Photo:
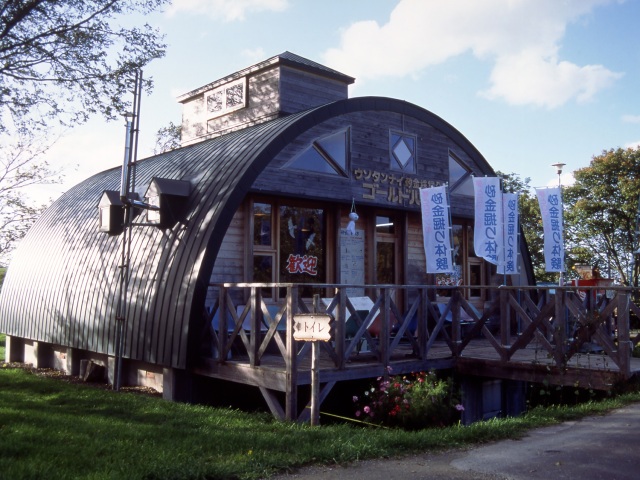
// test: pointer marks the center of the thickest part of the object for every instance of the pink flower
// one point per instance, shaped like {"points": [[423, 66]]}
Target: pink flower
{"points": [[355, 398], [389, 369], [460, 408], [358, 413], [366, 409]]}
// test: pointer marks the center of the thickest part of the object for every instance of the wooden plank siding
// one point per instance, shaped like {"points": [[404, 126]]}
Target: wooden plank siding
{"points": [[62, 286], [279, 86]]}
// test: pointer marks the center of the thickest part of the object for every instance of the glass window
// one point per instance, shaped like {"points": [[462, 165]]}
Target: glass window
{"points": [[402, 152], [335, 147], [384, 225], [262, 224], [385, 262], [460, 178], [313, 161], [325, 155], [302, 247], [263, 272]]}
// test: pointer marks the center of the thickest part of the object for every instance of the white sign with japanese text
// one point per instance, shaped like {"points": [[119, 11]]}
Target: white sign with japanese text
{"points": [[436, 229], [550, 201], [488, 232], [510, 221]]}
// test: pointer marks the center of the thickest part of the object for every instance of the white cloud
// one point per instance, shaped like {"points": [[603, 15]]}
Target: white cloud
{"points": [[566, 179], [102, 147], [530, 78], [227, 10], [254, 55], [634, 145], [631, 118], [520, 37]]}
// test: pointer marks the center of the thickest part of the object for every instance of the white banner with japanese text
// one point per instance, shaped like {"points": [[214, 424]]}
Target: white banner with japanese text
{"points": [[510, 221], [488, 233], [550, 201], [436, 229]]}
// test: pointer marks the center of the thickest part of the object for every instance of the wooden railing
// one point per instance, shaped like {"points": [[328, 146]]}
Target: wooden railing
{"points": [[564, 321]]}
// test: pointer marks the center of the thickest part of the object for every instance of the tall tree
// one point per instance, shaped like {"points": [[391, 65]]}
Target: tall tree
{"points": [[65, 60], [167, 138], [61, 61], [602, 210]]}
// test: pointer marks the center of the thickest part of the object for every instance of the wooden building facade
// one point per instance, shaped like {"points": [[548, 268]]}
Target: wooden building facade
{"points": [[275, 161]]}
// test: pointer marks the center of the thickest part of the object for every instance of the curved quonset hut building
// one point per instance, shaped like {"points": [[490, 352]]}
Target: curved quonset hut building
{"points": [[274, 159]]}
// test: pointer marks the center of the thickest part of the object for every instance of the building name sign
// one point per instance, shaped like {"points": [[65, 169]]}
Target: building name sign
{"points": [[398, 189]]}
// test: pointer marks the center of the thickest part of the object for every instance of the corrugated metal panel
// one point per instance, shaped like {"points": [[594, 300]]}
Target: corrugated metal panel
{"points": [[62, 284]]}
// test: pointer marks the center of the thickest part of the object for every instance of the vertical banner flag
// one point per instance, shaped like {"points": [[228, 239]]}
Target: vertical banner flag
{"points": [[487, 233], [550, 201], [510, 220], [436, 229]]}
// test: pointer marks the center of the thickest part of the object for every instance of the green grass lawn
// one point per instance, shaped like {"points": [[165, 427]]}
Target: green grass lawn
{"points": [[56, 430]]}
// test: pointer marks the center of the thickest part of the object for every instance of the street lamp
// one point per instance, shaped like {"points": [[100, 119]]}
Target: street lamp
{"points": [[559, 167]]}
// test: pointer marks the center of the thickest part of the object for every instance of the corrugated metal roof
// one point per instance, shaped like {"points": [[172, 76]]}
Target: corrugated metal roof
{"points": [[62, 285]]}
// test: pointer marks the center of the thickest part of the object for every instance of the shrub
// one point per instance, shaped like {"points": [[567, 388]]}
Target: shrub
{"points": [[414, 401]]}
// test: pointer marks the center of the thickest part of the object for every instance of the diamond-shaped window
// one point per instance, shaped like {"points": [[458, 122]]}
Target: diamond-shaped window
{"points": [[402, 152]]}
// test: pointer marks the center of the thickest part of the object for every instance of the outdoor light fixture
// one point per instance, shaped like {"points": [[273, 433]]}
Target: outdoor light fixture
{"points": [[166, 198], [559, 167], [111, 212]]}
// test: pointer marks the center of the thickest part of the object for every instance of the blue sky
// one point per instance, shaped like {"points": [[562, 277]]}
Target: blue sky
{"points": [[529, 82]]}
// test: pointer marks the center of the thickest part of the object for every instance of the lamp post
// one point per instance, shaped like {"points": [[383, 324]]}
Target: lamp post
{"points": [[558, 167]]}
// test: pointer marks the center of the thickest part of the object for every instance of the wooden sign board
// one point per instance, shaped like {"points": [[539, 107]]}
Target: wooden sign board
{"points": [[312, 327]]}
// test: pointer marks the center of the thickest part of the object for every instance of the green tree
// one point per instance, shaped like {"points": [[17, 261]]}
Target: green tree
{"points": [[65, 60], [18, 170], [601, 211], [167, 138], [61, 61]]}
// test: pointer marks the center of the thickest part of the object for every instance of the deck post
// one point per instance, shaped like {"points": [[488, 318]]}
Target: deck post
{"points": [[255, 315], [291, 394], [505, 318], [223, 328], [384, 331], [339, 325], [624, 341], [315, 373], [423, 327], [456, 333], [560, 326]]}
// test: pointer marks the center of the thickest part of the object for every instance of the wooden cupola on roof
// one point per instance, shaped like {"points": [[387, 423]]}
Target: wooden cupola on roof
{"points": [[279, 86]]}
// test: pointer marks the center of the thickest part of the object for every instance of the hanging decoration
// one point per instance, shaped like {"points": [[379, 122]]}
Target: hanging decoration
{"points": [[353, 218]]}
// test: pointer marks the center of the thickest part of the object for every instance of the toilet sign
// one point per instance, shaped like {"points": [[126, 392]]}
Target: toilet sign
{"points": [[312, 327]]}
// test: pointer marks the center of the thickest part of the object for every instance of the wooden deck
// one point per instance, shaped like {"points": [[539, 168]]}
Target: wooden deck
{"points": [[560, 339]]}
